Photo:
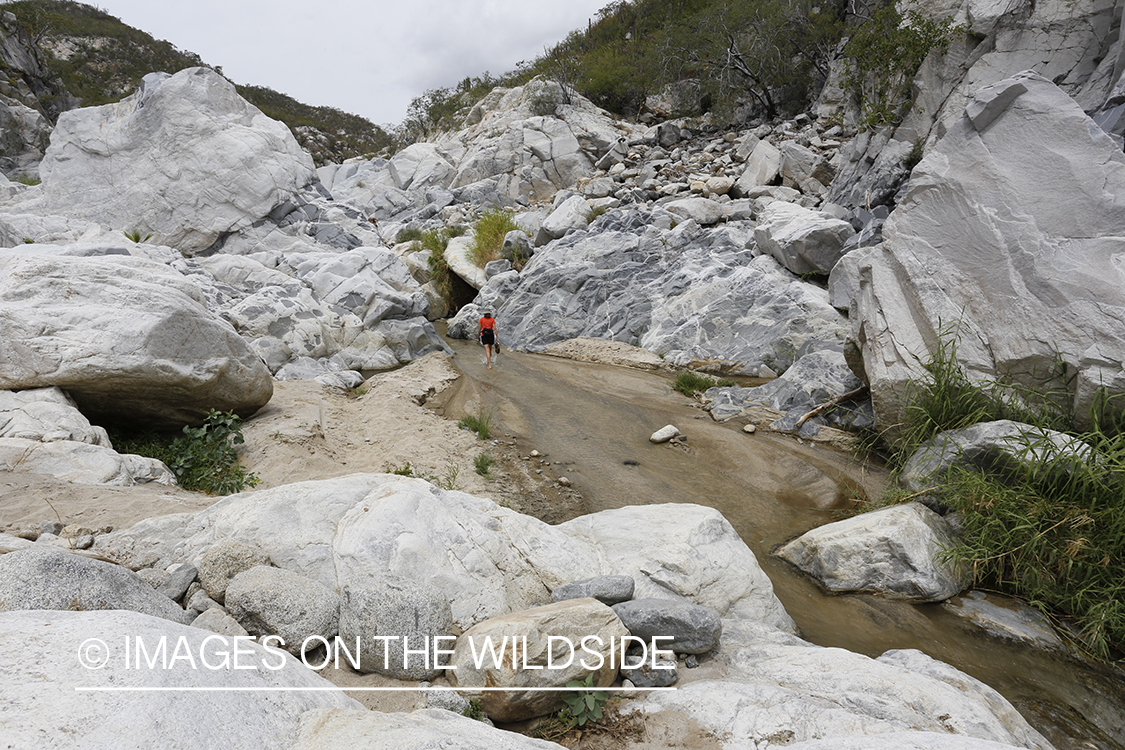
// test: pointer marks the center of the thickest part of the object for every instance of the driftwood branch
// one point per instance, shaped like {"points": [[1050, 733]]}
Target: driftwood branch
{"points": [[829, 404]]}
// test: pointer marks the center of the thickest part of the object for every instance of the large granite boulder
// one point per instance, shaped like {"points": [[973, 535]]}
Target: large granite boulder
{"points": [[364, 530], [127, 338], [982, 249], [47, 655], [185, 158], [1077, 46], [897, 552], [272, 601], [1001, 447], [802, 240], [55, 579], [80, 462], [534, 139]]}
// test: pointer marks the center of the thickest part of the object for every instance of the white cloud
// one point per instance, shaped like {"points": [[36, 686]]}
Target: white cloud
{"points": [[370, 58]]}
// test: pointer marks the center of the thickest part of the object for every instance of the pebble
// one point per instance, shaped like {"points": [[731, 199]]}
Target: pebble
{"points": [[749, 429], [564, 481], [535, 454]]}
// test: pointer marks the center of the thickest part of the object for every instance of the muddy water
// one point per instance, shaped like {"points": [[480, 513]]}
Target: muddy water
{"points": [[592, 419]]}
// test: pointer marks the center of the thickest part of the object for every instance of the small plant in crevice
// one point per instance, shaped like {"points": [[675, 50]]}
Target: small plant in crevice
{"points": [[483, 464], [690, 383], [596, 213], [136, 237], [409, 234], [403, 471], [585, 706], [448, 480], [474, 711]]}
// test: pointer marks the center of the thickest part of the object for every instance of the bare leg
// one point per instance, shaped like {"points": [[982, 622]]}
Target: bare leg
{"points": [[488, 355]]}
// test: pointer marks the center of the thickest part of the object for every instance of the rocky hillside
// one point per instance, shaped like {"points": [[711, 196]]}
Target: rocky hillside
{"points": [[98, 59]]}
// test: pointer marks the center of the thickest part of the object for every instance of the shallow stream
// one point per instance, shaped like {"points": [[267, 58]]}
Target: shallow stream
{"points": [[591, 419]]}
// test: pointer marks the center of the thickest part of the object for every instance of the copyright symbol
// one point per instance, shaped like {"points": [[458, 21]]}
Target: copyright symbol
{"points": [[93, 653]]}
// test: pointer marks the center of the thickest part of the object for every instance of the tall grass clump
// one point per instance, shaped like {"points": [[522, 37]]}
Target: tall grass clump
{"points": [[690, 383], [1050, 526], [1052, 532], [946, 399], [434, 242], [480, 423], [488, 235]]}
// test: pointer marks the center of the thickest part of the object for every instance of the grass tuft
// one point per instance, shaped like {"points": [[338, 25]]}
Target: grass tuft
{"points": [[480, 423], [488, 236]]}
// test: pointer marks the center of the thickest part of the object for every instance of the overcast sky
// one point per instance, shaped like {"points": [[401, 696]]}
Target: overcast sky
{"points": [[369, 57]]}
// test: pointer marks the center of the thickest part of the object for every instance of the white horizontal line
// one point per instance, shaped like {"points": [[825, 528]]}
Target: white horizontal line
{"points": [[189, 689]]}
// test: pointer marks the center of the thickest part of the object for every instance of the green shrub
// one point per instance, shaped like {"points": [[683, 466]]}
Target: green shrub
{"points": [[690, 383], [409, 234], [883, 56], [488, 235], [26, 179], [595, 213], [483, 464], [202, 458]]}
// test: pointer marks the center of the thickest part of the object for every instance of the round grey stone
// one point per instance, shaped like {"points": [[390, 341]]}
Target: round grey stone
{"points": [[224, 561], [408, 615], [694, 629]]}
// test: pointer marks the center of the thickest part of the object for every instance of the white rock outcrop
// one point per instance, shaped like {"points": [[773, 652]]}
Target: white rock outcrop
{"points": [[185, 158], [786, 691], [362, 530]]}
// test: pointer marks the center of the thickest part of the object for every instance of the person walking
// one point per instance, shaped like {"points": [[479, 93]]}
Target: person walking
{"points": [[486, 335]]}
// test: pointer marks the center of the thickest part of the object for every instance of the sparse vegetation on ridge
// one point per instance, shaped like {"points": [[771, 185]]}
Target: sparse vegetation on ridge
{"points": [[102, 60]]}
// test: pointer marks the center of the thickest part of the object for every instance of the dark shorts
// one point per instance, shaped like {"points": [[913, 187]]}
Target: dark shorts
{"points": [[487, 336]]}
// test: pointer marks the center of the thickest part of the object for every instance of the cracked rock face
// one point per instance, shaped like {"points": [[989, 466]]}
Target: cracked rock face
{"points": [[982, 248]]}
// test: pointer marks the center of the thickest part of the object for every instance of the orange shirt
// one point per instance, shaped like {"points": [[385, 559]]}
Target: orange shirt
{"points": [[488, 323]]}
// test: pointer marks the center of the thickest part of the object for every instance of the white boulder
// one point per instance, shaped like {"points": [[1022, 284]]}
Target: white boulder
{"points": [[897, 552], [802, 240], [41, 668], [982, 248], [125, 337], [185, 158]]}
